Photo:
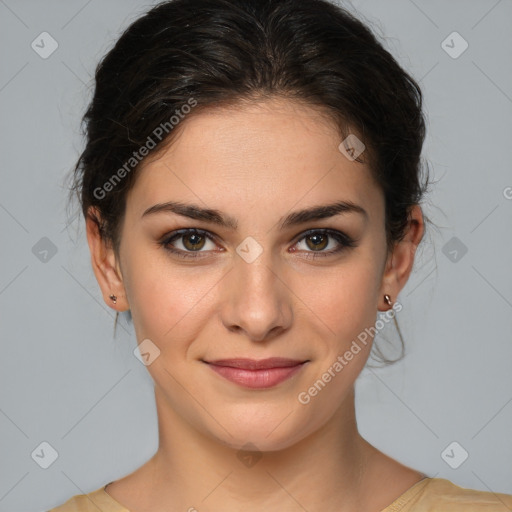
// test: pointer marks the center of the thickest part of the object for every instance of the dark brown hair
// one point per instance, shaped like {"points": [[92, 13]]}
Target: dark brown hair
{"points": [[204, 53]]}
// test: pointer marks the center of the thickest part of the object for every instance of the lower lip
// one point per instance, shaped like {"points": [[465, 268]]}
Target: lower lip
{"points": [[256, 379]]}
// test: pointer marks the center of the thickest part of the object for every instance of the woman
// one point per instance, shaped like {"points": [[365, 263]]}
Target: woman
{"points": [[251, 186]]}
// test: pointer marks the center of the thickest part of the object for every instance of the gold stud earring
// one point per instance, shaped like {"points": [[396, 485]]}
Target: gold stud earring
{"points": [[113, 298], [387, 298]]}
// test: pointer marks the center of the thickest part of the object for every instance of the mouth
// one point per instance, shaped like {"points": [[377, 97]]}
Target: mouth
{"points": [[257, 374]]}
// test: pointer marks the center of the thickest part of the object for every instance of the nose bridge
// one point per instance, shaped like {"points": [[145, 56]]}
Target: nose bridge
{"points": [[256, 300]]}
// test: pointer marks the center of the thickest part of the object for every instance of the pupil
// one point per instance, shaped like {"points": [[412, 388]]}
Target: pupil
{"points": [[194, 240], [318, 240]]}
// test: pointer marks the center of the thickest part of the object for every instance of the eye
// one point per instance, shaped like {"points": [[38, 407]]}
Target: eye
{"points": [[191, 241], [319, 239]]}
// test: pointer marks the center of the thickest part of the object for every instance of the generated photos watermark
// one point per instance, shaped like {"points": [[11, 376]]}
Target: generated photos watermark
{"points": [[304, 397], [158, 133]]}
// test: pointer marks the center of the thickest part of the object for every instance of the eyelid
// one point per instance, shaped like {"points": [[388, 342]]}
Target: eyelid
{"points": [[176, 234], [344, 241], [334, 233]]}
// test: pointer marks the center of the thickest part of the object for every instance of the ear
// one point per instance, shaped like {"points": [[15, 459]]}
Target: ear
{"points": [[104, 263], [400, 261]]}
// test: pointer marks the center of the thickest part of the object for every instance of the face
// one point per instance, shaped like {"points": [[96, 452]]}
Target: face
{"points": [[242, 275]]}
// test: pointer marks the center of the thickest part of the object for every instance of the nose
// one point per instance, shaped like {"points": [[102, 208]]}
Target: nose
{"points": [[256, 301]]}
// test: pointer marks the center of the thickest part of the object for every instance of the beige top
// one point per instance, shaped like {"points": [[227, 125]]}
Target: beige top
{"points": [[427, 495]]}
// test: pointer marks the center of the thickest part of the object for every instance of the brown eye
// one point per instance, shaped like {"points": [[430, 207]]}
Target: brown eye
{"points": [[316, 240], [189, 243], [193, 241], [319, 241]]}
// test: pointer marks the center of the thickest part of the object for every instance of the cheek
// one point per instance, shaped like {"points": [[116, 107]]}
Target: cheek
{"points": [[167, 302], [343, 300], [170, 301]]}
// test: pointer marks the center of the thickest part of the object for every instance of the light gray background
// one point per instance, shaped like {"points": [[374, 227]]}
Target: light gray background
{"points": [[66, 381]]}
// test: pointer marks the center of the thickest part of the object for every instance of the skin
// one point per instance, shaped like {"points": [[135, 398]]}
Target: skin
{"points": [[256, 163]]}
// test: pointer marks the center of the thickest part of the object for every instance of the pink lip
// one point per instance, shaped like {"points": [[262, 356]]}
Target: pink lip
{"points": [[252, 373]]}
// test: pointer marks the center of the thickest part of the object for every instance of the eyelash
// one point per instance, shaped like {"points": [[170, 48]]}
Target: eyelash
{"points": [[345, 242]]}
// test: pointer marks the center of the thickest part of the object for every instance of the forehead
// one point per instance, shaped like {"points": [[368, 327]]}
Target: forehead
{"points": [[255, 156]]}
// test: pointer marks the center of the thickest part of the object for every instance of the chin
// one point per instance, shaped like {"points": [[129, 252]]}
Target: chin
{"points": [[272, 429], [256, 441]]}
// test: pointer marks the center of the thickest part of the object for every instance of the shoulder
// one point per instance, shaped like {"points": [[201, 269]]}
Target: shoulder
{"points": [[430, 494], [91, 502]]}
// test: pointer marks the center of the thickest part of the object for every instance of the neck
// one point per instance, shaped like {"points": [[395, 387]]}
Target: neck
{"points": [[324, 471]]}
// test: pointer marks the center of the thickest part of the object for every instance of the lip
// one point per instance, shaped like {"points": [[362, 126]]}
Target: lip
{"points": [[256, 374]]}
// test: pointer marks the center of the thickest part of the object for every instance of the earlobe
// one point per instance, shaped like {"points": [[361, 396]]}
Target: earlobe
{"points": [[104, 264], [401, 260]]}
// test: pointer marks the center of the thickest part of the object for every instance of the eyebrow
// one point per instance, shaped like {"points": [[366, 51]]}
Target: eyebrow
{"points": [[295, 218]]}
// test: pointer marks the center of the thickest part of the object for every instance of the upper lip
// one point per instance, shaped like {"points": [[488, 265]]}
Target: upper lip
{"points": [[257, 364]]}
